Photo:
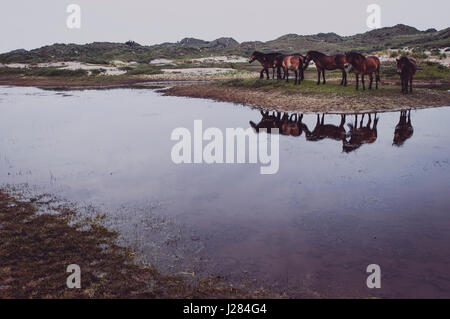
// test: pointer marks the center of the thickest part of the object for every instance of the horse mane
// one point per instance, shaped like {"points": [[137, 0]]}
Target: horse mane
{"points": [[357, 54], [316, 54]]}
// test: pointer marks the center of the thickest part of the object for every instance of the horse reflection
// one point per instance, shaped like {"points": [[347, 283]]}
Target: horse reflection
{"points": [[357, 135], [322, 130], [291, 126], [360, 135], [287, 125], [404, 129]]}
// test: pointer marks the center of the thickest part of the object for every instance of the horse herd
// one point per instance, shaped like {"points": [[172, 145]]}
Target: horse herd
{"points": [[361, 65], [357, 135]]}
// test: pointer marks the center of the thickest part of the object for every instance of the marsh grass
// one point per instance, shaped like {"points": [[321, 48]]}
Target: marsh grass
{"points": [[37, 246]]}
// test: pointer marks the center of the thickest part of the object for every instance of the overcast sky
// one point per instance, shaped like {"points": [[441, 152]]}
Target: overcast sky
{"points": [[30, 24]]}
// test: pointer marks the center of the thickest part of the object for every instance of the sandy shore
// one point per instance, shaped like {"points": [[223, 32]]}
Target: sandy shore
{"points": [[305, 101]]}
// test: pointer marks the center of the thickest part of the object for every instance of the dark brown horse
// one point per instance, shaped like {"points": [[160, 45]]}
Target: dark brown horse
{"points": [[406, 68], [268, 122], [364, 65], [295, 63], [291, 125], [324, 62], [267, 61], [404, 129], [360, 135], [286, 125], [322, 130]]}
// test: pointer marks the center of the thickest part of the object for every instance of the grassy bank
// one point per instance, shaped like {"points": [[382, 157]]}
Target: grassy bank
{"points": [[37, 247]]}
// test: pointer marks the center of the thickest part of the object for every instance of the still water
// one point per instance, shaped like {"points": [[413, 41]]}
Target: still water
{"points": [[345, 196]]}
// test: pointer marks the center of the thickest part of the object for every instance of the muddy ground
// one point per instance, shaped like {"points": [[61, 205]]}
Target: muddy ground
{"points": [[38, 244]]}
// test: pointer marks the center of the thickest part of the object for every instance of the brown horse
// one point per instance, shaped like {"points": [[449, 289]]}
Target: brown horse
{"points": [[322, 130], [287, 125], [268, 122], [267, 61], [404, 129], [360, 135], [291, 126], [364, 65], [406, 68], [295, 63], [324, 62]]}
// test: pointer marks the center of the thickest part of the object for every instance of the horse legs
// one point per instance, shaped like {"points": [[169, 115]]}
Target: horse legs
{"points": [[323, 75], [371, 81], [343, 77], [286, 73], [377, 78], [410, 84], [296, 76], [342, 120], [318, 76], [357, 81], [363, 82], [267, 72], [302, 76], [261, 76]]}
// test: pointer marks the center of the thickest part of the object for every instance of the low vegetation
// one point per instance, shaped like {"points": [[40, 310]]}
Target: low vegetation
{"points": [[38, 245], [396, 37]]}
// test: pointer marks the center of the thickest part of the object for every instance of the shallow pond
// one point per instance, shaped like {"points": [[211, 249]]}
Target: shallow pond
{"points": [[333, 208]]}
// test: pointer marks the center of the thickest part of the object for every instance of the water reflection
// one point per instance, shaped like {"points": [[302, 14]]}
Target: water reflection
{"points": [[290, 125], [358, 133], [404, 129]]}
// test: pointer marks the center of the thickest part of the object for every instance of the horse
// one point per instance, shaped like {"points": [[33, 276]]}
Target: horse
{"points": [[278, 64], [291, 126], [324, 62], [295, 63], [364, 65], [322, 130], [406, 68], [360, 135], [268, 122], [404, 129], [286, 125], [267, 61]]}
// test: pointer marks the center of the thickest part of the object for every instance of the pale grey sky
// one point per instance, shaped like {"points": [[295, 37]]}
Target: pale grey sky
{"points": [[31, 24]]}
